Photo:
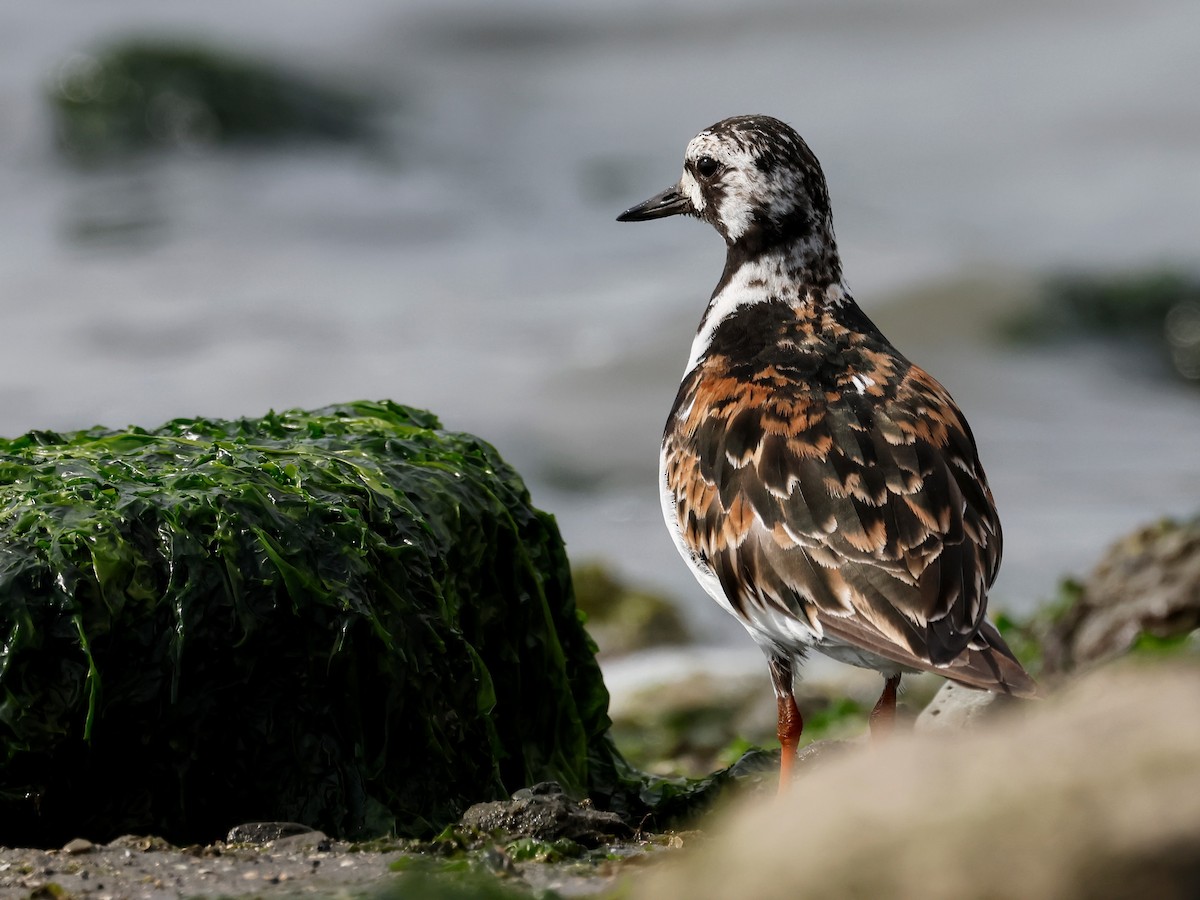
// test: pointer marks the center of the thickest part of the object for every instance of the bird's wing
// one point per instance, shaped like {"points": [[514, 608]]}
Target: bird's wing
{"points": [[859, 509]]}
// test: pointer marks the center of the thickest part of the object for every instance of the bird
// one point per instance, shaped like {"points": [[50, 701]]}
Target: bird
{"points": [[822, 488]]}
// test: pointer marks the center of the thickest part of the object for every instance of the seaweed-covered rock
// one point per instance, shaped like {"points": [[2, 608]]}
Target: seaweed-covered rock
{"points": [[1144, 594], [144, 94], [347, 618]]}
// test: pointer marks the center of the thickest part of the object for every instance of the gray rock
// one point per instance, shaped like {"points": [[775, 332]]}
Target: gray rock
{"points": [[78, 846], [264, 832], [954, 708], [545, 813], [1147, 584]]}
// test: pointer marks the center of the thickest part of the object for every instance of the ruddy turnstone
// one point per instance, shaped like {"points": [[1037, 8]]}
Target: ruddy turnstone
{"points": [[822, 488]]}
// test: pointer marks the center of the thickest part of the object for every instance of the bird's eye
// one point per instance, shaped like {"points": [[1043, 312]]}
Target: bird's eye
{"points": [[706, 167]]}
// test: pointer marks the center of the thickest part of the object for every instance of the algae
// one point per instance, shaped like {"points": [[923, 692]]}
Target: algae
{"points": [[348, 618], [1157, 309], [144, 94]]}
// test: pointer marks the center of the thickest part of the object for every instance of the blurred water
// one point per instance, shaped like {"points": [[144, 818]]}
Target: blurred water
{"points": [[474, 267]]}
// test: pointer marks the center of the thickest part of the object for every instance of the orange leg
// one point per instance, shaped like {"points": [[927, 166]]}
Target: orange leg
{"points": [[790, 722], [883, 716]]}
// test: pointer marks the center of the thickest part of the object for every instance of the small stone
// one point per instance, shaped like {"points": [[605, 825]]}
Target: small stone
{"points": [[77, 846], [954, 708], [264, 832]]}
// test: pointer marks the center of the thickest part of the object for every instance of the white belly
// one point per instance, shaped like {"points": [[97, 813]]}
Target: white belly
{"points": [[770, 628]]}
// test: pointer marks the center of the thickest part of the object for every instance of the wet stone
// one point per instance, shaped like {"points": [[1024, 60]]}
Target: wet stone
{"points": [[265, 832], [955, 707], [544, 813]]}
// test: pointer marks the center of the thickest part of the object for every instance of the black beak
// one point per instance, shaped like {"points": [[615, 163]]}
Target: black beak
{"points": [[670, 202]]}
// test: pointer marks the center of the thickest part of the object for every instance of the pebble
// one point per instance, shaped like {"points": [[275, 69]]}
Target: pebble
{"points": [[954, 708], [264, 832], [77, 846]]}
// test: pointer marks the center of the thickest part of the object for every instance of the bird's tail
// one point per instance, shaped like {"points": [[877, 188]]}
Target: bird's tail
{"points": [[989, 665]]}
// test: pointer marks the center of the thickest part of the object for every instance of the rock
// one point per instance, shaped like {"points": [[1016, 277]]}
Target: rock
{"points": [[1146, 589], [1094, 794], [77, 846], [348, 617], [955, 707], [546, 814], [265, 832]]}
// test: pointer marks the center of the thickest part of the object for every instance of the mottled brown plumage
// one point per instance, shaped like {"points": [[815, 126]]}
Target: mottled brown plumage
{"points": [[822, 488]]}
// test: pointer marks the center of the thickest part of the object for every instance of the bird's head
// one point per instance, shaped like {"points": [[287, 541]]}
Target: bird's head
{"points": [[754, 179]]}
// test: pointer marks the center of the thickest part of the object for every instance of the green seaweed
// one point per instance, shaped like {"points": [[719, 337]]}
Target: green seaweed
{"points": [[348, 618], [1128, 303], [153, 93], [1153, 646], [1154, 308], [524, 849]]}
